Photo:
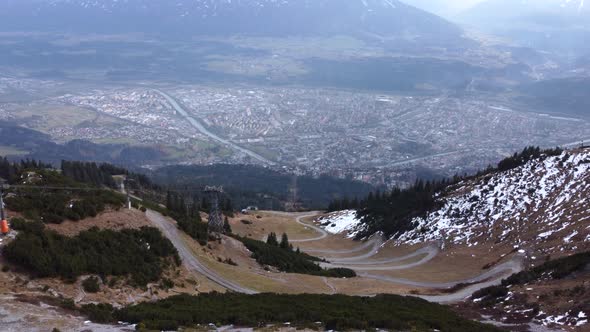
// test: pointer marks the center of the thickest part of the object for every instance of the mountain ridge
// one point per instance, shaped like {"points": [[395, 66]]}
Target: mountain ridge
{"points": [[540, 208], [385, 18], [554, 26]]}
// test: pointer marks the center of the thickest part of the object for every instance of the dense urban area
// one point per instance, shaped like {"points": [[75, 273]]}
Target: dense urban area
{"points": [[377, 138]]}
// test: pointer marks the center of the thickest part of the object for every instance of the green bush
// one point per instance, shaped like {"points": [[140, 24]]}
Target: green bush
{"points": [[91, 285], [339, 273], [194, 227], [555, 269], [142, 253], [493, 291], [99, 313], [287, 260], [67, 304], [166, 283], [55, 206], [340, 312]]}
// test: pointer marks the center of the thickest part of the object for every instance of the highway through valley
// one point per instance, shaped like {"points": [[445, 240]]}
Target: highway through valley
{"points": [[197, 125]]}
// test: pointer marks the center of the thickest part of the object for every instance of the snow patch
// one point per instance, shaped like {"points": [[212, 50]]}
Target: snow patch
{"points": [[339, 222]]}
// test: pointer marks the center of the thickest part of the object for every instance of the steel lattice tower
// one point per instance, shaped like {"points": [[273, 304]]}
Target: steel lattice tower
{"points": [[215, 219]]}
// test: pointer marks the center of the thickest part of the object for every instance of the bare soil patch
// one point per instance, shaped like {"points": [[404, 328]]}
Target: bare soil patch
{"points": [[258, 224], [114, 220]]}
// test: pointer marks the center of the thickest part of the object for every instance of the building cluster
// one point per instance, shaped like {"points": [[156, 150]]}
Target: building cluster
{"points": [[376, 138]]}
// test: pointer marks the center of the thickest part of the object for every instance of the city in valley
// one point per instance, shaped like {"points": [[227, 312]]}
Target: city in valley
{"points": [[374, 137]]}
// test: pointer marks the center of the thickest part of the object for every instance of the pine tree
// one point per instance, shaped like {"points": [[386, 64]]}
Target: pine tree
{"points": [[272, 239], [284, 241], [226, 226], [169, 202]]}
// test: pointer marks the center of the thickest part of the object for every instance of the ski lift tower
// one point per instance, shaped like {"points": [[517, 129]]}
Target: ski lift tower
{"points": [[3, 223], [1, 200], [215, 219]]}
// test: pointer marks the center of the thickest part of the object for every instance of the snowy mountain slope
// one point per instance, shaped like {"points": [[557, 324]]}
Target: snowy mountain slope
{"points": [[556, 26], [543, 205], [340, 222], [529, 10], [217, 17]]}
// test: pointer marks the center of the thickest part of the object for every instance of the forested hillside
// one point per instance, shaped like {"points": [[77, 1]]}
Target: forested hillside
{"points": [[37, 192], [101, 174], [44, 195], [329, 312], [251, 185], [141, 254], [188, 216], [41, 147]]}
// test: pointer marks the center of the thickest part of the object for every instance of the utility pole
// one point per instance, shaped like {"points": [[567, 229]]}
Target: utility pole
{"points": [[292, 204], [2, 214], [4, 229], [294, 191], [215, 218], [126, 193]]}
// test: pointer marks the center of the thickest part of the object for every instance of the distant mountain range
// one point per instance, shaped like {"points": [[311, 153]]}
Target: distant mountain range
{"points": [[40, 146], [549, 13], [549, 25], [393, 45], [381, 18], [396, 46]]}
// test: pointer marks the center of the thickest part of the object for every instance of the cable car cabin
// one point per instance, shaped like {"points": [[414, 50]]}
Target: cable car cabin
{"points": [[4, 229]]}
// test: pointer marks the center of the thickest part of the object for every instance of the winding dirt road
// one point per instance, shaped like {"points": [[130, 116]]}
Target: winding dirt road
{"points": [[360, 263], [375, 241], [429, 252], [495, 276], [298, 219], [188, 258], [357, 263]]}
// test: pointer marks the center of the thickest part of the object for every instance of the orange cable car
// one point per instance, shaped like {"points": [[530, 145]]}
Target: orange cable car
{"points": [[4, 229]]}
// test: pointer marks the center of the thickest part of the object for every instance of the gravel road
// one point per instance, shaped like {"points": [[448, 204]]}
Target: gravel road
{"points": [[298, 219], [188, 258], [502, 271], [360, 263], [357, 263]]}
